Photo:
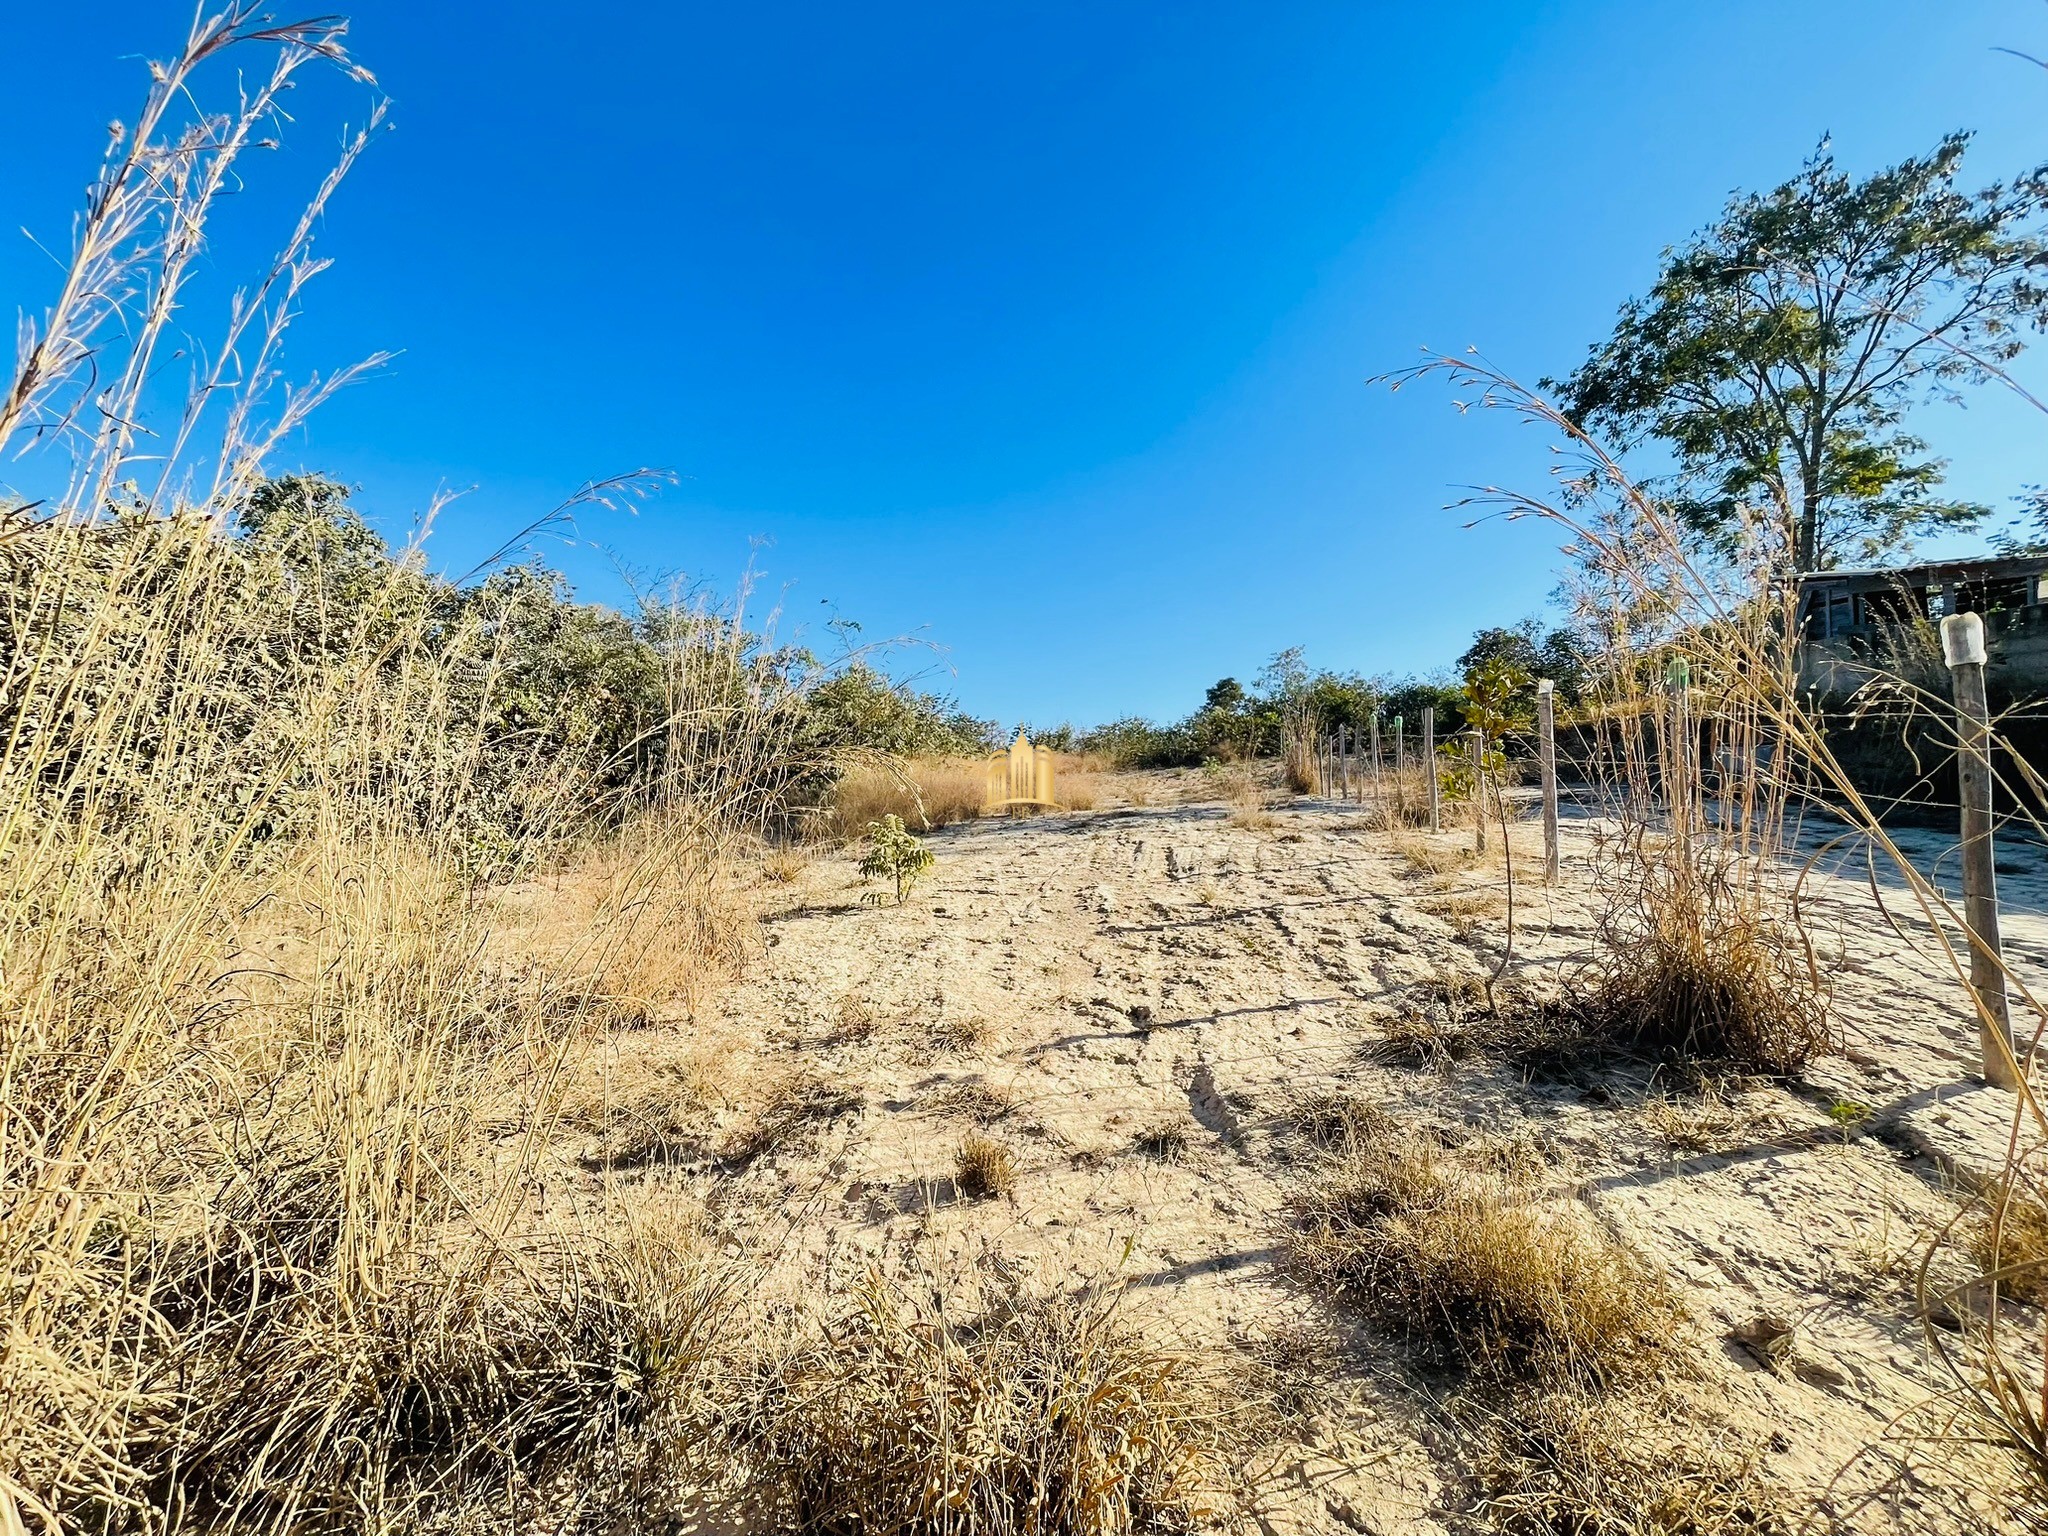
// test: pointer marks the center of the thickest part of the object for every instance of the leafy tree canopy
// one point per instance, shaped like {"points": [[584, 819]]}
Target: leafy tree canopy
{"points": [[1780, 351]]}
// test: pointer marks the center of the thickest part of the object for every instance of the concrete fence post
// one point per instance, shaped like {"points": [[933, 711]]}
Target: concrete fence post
{"points": [[1962, 647]]}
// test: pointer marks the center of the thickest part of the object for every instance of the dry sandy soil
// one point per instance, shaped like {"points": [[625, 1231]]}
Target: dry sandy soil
{"points": [[1134, 999]]}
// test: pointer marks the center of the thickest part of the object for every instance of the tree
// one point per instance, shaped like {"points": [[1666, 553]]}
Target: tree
{"points": [[1558, 655], [1780, 350], [1225, 696]]}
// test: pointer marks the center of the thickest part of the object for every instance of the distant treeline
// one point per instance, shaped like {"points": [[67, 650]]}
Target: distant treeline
{"points": [[1235, 722]]}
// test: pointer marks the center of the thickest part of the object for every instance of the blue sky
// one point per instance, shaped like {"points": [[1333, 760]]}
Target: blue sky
{"points": [[1040, 332]]}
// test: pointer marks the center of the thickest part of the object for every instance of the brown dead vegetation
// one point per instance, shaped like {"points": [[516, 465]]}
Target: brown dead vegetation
{"points": [[1014, 1411], [1472, 1275]]}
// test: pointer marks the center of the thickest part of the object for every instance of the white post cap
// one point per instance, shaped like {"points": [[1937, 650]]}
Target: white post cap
{"points": [[1962, 640], [1544, 685]]}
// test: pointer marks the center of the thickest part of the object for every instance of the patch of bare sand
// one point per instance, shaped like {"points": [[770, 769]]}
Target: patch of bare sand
{"points": [[1136, 1002]]}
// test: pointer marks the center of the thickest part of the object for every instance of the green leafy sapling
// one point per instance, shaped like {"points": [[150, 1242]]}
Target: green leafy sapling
{"points": [[895, 854]]}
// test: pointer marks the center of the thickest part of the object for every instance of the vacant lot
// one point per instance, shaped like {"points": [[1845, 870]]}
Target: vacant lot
{"points": [[1132, 1046]]}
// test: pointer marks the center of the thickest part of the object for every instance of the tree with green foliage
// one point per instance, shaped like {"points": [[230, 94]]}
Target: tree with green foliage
{"points": [[1558, 655], [1780, 351]]}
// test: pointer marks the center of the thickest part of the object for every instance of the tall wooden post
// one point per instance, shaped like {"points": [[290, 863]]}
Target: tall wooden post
{"points": [[1436, 808], [1962, 647], [1546, 760], [1478, 790], [1400, 770], [1378, 799], [1343, 765]]}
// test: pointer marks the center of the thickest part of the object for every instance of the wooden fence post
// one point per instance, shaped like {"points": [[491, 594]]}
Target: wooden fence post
{"points": [[1478, 790], [1436, 809], [1962, 647], [1546, 759], [1378, 799], [1400, 769]]}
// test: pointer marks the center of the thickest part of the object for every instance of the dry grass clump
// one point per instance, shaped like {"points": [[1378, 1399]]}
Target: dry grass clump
{"points": [[1248, 812], [1079, 785], [789, 1117], [1466, 911], [1699, 968], [1566, 1464], [1333, 1119], [1444, 1023], [650, 917], [1017, 1413], [1474, 1278], [1286, 1371], [545, 1385], [1703, 1123], [983, 1167], [981, 1102], [1165, 1142], [1434, 854], [784, 866], [960, 1033], [2010, 1244], [854, 1022], [1423, 1040], [655, 1114]]}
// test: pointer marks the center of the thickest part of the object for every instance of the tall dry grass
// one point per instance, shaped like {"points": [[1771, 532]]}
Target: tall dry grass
{"points": [[931, 792], [271, 1087]]}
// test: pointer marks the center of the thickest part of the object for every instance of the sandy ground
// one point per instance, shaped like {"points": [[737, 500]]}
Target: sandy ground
{"points": [[1158, 974]]}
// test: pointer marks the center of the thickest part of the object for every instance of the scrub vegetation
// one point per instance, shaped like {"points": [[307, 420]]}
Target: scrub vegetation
{"points": [[450, 1078]]}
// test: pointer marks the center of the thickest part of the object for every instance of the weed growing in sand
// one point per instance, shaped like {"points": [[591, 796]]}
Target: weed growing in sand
{"points": [[1707, 1122], [1286, 1371], [983, 1167], [922, 792], [1700, 969], [789, 1117], [783, 866], [1444, 1022], [1251, 815], [1566, 1461], [1011, 1414], [981, 1102], [1472, 1276], [894, 854]]}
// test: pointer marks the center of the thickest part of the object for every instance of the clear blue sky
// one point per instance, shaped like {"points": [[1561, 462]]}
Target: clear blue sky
{"points": [[1040, 331]]}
